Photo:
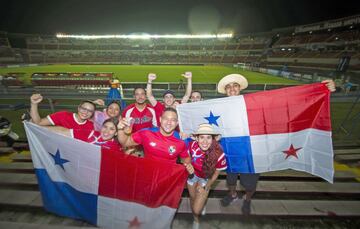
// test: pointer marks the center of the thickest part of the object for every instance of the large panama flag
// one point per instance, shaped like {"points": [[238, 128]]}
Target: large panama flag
{"points": [[270, 130], [105, 188]]}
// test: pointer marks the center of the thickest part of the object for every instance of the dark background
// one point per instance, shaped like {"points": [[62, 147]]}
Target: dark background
{"points": [[166, 17]]}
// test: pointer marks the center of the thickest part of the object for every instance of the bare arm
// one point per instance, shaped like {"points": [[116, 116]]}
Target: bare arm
{"points": [[188, 76], [149, 93], [35, 99], [124, 134]]}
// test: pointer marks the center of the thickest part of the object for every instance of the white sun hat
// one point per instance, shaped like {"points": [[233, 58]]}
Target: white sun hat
{"points": [[232, 78]]}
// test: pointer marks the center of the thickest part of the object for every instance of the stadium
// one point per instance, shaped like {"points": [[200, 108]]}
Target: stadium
{"points": [[68, 67]]}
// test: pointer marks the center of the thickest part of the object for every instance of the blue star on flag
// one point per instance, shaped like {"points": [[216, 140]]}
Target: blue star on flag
{"points": [[58, 160], [212, 119]]}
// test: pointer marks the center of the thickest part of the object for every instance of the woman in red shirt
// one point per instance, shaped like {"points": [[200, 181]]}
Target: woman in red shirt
{"points": [[104, 138], [207, 160]]}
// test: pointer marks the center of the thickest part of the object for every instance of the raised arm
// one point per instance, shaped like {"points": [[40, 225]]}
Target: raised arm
{"points": [[35, 99], [149, 93], [188, 76], [124, 133]]}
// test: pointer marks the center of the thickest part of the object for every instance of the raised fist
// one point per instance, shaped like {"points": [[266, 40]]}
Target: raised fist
{"points": [[36, 99], [151, 76], [187, 75]]}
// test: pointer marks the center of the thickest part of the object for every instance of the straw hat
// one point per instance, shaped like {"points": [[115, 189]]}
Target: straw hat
{"points": [[208, 130], [232, 78]]}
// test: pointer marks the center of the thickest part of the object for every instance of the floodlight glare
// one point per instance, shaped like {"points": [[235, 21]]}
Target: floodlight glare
{"points": [[146, 36]]}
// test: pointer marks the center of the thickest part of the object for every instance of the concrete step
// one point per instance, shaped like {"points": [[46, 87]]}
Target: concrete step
{"points": [[20, 180], [18, 225], [298, 208], [27, 167]]}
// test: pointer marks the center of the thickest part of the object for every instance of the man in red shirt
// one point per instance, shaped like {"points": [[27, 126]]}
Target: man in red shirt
{"points": [[142, 114], [79, 120], [161, 143], [169, 96]]}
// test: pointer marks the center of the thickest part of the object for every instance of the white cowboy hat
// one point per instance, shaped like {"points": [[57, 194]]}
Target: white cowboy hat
{"points": [[208, 130], [232, 78]]}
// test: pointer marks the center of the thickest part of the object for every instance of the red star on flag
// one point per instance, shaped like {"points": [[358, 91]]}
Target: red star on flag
{"points": [[135, 223], [291, 151]]}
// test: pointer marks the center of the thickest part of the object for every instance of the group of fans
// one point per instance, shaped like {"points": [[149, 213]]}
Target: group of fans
{"points": [[154, 128]]}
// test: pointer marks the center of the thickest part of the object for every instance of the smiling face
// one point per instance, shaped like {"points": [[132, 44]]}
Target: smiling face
{"points": [[205, 141], [232, 89], [168, 122], [108, 131], [169, 100], [140, 96], [85, 111], [195, 96], [113, 110]]}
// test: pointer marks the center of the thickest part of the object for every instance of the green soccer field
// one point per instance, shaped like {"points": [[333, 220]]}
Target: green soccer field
{"points": [[165, 73]]}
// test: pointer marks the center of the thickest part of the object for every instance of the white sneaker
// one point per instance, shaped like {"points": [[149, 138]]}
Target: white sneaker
{"points": [[196, 225], [203, 212]]}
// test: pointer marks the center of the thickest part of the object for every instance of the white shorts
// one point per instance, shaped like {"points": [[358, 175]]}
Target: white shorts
{"points": [[201, 181]]}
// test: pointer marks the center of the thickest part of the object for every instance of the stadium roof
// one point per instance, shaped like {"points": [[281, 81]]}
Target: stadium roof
{"points": [[165, 16]]}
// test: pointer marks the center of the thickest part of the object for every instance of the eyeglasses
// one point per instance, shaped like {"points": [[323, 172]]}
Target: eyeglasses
{"points": [[84, 109]]}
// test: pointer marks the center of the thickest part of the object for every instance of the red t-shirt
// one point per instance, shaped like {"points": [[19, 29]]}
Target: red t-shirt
{"points": [[158, 146], [143, 119], [159, 109], [94, 137], [198, 157], [67, 119]]}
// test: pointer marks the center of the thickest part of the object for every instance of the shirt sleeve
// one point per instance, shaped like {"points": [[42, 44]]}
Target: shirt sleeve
{"points": [[55, 118], [138, 136], [184, 152], [221, 163]]}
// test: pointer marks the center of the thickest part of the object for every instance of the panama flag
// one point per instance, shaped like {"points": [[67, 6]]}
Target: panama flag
{"points": [[270, 130], [105, 188]]}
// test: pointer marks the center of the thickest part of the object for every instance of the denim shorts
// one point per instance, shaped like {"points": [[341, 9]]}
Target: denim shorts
{"points": [[201, 181]]}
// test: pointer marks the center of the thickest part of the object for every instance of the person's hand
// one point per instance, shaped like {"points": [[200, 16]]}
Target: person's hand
{"points": [[330, 84], [184, 136], [99, 102], [187, 75], [36, 99], [189, 168], [123, 124], [175, 104], [151, 77]]}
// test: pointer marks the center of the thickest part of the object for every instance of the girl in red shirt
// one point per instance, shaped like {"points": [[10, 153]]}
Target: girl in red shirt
{"points": [[207, 160]]}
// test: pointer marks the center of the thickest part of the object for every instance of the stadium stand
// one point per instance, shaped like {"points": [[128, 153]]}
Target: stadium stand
{"points": [[328, 48]]}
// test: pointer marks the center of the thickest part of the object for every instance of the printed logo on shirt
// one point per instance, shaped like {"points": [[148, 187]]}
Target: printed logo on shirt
{"points": [[172, 149], [153, 144]]}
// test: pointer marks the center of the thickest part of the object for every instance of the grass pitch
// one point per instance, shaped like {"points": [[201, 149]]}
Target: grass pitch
{"points": [[165, 73]]}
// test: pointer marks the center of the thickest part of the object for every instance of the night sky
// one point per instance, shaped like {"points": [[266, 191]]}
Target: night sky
{"points": [[165, 17]]}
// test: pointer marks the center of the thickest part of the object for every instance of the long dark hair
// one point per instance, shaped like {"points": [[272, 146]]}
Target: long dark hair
{"points": [[211, 157]]}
